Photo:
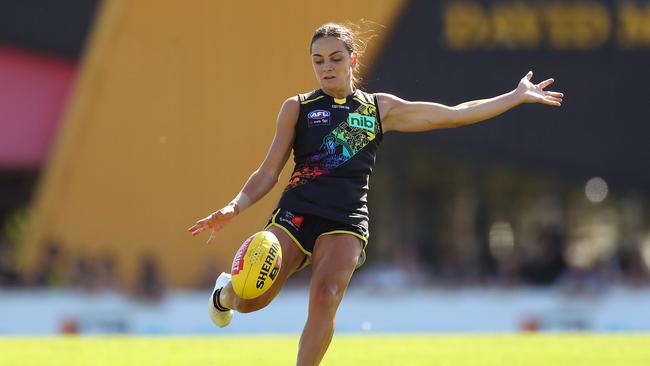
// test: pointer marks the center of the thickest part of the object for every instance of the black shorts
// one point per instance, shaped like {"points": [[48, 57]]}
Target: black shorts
{"points": [[304, 229]]}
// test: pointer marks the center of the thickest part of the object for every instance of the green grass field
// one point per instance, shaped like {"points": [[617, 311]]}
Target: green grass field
{"points": [[401, 350]]}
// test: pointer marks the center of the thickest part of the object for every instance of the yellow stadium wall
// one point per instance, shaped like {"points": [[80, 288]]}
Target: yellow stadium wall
{"points": [[174, 108]]}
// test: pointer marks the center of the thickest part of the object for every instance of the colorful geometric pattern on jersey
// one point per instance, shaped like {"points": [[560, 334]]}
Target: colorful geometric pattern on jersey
{"points": [[334, 152]]}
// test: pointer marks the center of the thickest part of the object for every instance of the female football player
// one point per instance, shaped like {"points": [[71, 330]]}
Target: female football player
{"points": [[322, 218]]}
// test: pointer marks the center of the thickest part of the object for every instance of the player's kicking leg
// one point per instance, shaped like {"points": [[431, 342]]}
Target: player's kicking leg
{"points": [[224, 300]]}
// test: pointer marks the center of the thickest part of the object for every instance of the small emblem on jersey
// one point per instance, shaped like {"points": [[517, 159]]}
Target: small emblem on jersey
{"points": [[292, 219], [297, 221], [361, 121], [319, 117]]}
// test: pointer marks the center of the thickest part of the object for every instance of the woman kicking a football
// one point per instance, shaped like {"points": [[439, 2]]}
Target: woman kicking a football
{"points": [[322, 218]]}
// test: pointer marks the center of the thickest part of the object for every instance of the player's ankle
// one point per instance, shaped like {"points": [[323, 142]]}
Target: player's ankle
{"points": [[217, 301]]}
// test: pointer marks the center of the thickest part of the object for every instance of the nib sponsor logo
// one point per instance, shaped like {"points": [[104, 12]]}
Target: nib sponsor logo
{"points": [[360, 121]]}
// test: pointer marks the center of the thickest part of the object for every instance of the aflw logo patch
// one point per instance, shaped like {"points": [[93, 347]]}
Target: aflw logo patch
{"points": [[361, 121], [319, 117]]}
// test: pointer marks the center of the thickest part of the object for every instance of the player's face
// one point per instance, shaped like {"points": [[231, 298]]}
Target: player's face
{"points": [[332, 63]]}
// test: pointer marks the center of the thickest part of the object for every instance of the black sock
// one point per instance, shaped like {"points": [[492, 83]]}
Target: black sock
{"points": [[217, 303]]}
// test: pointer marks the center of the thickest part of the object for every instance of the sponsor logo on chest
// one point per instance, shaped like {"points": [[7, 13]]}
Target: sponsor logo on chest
{"points": [[319, 117], [361, 121]]}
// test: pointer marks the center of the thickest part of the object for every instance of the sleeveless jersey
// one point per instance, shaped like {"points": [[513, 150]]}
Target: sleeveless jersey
{"points": [[334, 150]]}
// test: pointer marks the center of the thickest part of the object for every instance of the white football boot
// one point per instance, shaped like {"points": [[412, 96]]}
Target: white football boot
{"points": [[219, 318]]}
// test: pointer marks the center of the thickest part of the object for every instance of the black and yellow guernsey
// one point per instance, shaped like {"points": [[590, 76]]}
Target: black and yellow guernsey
{"points": [[334, 150]]}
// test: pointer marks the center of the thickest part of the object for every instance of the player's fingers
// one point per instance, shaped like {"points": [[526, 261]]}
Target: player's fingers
{"points": [[546, 83], [212, 235], [195, 226], [555, 94], [551, 102], [198, 231], [200, 223], [529, 75], [204, 225], [554, 99], [207, 221]]}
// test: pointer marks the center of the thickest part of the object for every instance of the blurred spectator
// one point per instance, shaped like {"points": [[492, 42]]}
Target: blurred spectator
{"points": [[50, 266], [8, 275], [90, 274], [82, 276], [542, 262], [107, 273], [635, 263], [149, 284]]}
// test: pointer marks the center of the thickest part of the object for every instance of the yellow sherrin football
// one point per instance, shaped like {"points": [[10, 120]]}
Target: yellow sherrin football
{"points": [[256, 265]]}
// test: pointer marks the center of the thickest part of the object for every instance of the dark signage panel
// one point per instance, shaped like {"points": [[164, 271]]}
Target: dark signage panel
{"points": [[598, 52], [56, 27]]}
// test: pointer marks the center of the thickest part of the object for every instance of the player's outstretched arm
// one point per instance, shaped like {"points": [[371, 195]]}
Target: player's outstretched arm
{"points": [[406, 116], [263, 179]]}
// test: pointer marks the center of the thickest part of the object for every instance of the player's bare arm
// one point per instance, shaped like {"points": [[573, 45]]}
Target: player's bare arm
{"points": [[406, 116], [263, 179]]}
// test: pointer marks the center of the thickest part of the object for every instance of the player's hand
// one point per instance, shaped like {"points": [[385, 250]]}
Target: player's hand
{"points": [[535, 93], [215, 221]]}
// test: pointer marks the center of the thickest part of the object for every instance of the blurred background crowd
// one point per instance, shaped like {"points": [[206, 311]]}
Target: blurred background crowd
{"points": [[472, 226], [538, 197]]}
